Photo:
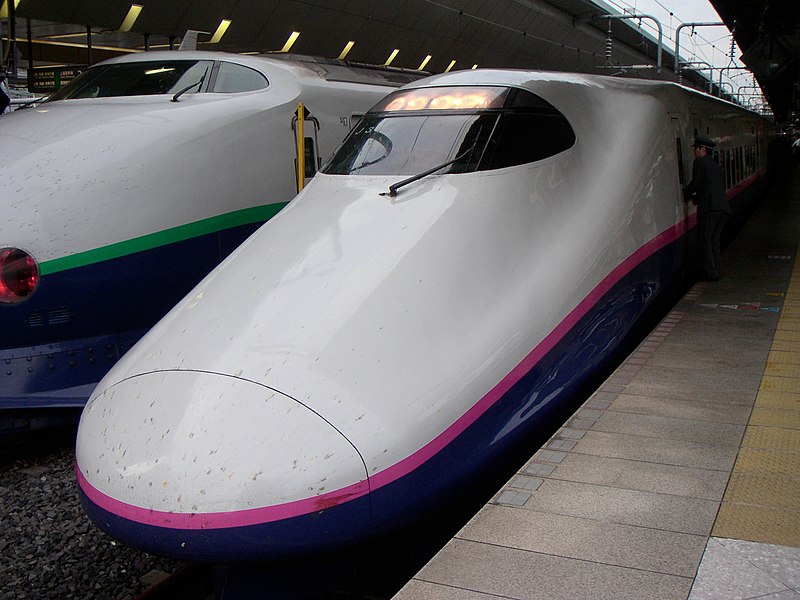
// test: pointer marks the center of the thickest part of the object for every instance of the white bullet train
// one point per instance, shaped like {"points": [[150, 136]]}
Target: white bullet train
{"points": [[124, 189], [478, 247]]}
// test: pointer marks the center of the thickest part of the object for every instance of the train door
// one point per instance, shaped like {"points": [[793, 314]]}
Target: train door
{"points": [[683, 157], [308, 146]]}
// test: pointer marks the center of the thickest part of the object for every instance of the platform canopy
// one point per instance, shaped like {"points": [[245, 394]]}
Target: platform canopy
{"points": [[429, 35], [567, 35], [768, 33]]}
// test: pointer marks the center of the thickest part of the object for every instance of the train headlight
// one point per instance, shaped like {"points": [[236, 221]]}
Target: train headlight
{"points": [[19, 275]]}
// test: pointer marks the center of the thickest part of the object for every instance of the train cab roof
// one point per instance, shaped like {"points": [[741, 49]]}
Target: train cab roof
{"points": [[541, 81]]}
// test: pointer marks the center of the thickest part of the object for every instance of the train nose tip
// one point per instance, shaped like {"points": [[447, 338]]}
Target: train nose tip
{"points": [[194, 450]]}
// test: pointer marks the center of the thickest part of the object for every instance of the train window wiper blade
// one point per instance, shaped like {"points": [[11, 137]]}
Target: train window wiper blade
{"points": [[394, 187], [188, 87]]}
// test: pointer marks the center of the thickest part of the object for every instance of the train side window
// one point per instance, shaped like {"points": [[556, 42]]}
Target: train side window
{"points": [[739, 164], [728, 167], [310, 160], [681, 172], [232, 78], [354, 119], [747, 161]]}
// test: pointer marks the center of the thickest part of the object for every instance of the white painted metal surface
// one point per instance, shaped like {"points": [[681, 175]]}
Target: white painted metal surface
{"points": [[81, 174], [393, 318]]}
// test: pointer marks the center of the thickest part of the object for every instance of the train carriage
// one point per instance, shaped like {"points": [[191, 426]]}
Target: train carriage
{"points": [[478, 248], [125, 188]]}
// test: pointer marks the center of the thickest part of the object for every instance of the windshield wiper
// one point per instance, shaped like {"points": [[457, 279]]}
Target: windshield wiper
{"points": [[393, 188], [188, 87]]}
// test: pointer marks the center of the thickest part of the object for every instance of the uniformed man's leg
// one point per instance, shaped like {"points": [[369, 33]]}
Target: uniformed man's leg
{"points": [[715, 223], [707, 248]]}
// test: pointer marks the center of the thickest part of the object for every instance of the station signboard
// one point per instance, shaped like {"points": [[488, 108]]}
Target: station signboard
{"points": [[45, 80]]}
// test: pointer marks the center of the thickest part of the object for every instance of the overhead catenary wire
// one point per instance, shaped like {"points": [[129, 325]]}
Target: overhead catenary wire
{"points": [[701, 47]]}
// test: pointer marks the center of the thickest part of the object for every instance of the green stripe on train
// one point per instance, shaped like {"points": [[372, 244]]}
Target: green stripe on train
{"points": [[162, 238]]}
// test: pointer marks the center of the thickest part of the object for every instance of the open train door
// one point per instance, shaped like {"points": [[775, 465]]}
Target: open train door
{"points": [[306, 134]]}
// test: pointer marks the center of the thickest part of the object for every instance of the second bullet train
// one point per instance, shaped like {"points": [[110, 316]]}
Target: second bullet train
{"points": [[477, 249], [125, 188]]}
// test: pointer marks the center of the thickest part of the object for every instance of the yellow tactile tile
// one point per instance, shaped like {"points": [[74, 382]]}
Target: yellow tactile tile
{"points": [[784, 400], [786, 346], [758, 524], [787, 358], [780, 384], [786, 440], [762, 500], [775, 417], [746, 488], [782, 369], [789, 323], [771, 462], [786, 335]]}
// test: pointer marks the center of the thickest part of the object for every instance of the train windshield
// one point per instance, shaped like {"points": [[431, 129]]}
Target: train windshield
{"points": [[477, 128], [136, 79]]}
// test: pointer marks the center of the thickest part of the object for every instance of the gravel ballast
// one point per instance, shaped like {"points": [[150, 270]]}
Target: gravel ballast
{"points": [[49, 549]]}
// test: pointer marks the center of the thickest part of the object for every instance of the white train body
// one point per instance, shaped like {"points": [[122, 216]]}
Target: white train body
{"points": [[366, 354], [126, 200]]}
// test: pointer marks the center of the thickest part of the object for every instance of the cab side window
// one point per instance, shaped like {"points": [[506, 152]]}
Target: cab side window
{"points": [[525, 138], [531, 129], [232, 78]]}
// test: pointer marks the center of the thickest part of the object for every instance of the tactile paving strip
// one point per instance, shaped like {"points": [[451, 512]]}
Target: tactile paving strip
{"points": [[784, 440], [764, 524], [763, 490], [762, 501]]}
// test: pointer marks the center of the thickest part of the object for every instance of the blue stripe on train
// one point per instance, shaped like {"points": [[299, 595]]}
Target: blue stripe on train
{"points": [[67, 336]]}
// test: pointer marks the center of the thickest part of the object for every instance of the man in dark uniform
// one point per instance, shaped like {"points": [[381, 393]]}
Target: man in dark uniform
{"points": [[707, 191], [4, 99]]}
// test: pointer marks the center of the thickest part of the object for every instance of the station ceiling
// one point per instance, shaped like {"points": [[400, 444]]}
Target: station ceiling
{"points": [[768, 33], [548, 34], [563, 35]]}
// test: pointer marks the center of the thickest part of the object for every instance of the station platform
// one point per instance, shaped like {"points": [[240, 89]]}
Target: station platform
{"points": [[680, 476]]}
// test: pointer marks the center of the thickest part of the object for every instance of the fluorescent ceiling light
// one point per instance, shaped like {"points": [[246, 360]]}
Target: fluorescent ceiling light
{"points": [[62, 36], [475, 66], [450, 66], [73, 45], [424, 62], [290, 42], [4, 8], [392, 56], [159, 70], [131, 17], [223, 27], [346, 50]]}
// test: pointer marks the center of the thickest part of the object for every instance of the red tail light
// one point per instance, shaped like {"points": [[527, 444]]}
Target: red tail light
{"points": [[19, 275]]}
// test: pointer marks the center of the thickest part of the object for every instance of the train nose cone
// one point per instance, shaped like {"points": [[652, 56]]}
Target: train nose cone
{"points": [[173, 461]]}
